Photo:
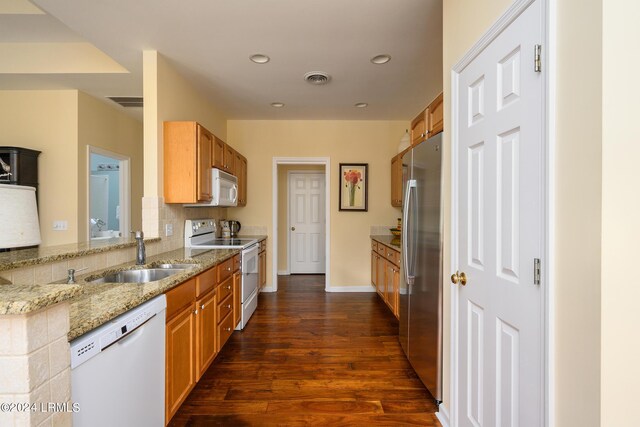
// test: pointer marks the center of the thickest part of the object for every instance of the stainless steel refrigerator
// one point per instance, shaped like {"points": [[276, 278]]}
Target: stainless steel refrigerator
{"points": [[421, 266]]}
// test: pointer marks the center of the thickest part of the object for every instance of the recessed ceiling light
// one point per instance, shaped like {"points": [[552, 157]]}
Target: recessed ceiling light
{"points": [[381, 59], [361, 105], [259, 58], [277, 104]]}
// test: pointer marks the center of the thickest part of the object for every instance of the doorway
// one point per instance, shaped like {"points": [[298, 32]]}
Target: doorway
{"points": [[109, 194], [315, 171], [305, 220]]}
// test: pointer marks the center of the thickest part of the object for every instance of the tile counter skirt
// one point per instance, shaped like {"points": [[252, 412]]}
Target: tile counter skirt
{"points": [[308, 357], [35, 367]]}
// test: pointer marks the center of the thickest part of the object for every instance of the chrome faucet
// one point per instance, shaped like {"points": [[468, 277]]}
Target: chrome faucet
{"points": [[141, 257]]}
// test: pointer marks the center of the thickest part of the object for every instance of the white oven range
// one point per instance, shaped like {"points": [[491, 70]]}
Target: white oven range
{"points": [[201, 234]]}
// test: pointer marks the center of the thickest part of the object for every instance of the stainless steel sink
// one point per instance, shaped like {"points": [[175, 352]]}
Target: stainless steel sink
{"points": [[179, 266], [138, 276]]}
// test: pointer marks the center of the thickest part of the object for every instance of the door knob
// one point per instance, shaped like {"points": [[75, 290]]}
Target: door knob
{"points": [[458, 277], [293, 229]]}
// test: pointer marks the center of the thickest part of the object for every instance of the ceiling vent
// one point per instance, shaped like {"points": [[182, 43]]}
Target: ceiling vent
{"points": [[317, 78], [127, 101]]}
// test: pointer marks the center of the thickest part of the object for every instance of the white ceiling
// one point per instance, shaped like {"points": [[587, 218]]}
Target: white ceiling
{"points": [[209, 42]]}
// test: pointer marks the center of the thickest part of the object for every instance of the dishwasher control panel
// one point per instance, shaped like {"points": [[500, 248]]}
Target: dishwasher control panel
{"points": [[92, 343]]}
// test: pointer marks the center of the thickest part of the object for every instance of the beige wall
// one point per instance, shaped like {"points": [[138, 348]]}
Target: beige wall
{"points": [[169, 96], [47, 121], [372, 142], [100, 125], [578, 194], [283, 180], [620, 219]]}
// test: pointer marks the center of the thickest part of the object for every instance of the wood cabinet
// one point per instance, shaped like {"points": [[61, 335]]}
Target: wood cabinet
{"points": [[419, 128], [397, 173], [385, 274], [436, 115], [187, 170], [229, 159], [206, 322], [180, 359], [241, 173], [217, 157], [237, 297], [200, 316], [262, 265], [426, 124]]}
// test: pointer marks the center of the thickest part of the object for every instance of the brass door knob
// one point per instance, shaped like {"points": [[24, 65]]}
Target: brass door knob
{"points": [[458, 277]]}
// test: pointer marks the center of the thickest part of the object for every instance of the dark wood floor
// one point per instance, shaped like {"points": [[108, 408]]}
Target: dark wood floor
{"points": [[311, 358]]}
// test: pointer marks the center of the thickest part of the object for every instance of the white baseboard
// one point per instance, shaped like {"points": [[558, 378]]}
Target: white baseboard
{"points": [[268, 288], [349, 289], [443, 415], [283, 273]]}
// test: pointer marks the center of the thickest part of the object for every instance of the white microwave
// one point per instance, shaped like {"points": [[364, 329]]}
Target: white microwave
{"points": [[224, 190]]}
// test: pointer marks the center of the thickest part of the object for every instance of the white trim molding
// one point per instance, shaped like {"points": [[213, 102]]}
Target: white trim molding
{"points": [[326, 161], [443, 415], [283, 273], [449, 417]]}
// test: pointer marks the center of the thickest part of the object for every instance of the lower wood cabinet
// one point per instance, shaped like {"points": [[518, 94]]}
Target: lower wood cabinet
{"points": [[200, 319], [385, 274], [237, 298], [180, 355], [206, 341]]}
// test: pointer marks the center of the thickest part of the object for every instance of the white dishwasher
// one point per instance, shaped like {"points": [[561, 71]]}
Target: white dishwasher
{"points": [[117, 370]]}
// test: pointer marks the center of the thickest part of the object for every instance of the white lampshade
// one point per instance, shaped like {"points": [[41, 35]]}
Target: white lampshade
{"points": [[405, 142], [18, 217]]}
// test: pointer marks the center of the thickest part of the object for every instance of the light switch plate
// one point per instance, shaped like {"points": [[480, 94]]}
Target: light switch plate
{"points": [[60, 225], [168, 229]]}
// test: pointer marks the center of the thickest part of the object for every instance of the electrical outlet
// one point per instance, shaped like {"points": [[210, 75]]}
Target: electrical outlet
{"points": [[60, 225], [168, 230]]}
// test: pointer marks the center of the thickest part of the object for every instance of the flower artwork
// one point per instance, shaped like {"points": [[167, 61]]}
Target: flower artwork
{"points": [[353, 186]]}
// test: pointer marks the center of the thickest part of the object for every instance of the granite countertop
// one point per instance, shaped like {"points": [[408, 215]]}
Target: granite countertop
{"points": [[96, 304], [22, 299], [43, 255], [391, 241]]}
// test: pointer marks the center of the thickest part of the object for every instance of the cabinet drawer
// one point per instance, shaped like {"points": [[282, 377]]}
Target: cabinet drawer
{"points": [[180, 296], [225, 289], [374, 246], [236, 262], [396, 258], [225, 307], [392, 255], [205, 282], [263, 245], [225, 329], [381, 249], [224, 270]]}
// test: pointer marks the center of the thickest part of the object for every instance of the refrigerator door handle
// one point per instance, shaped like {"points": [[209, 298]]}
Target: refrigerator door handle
{"points": [[405, 231]]}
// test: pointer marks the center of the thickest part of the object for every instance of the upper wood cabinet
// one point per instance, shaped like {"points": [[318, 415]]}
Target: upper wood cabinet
{"points": [[187, 170], [217, 158], [429, 121], [419, 128], [396, 181], [229, 159], [241, 173], [436, 115]]}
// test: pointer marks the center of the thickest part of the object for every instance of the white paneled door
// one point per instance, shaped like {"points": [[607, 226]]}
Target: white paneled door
{"points": [[500, 230], [306, 223]]}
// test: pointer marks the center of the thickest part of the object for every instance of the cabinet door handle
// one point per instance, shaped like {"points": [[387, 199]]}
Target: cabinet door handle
{"points": [[202, 307], [229, 287], [227, 329], [229, 306], [195, 311]]}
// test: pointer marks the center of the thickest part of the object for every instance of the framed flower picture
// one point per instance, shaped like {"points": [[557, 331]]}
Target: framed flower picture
{"points": [[354, 183]]}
